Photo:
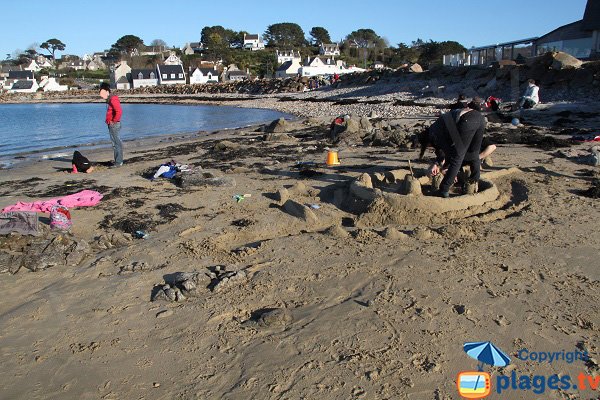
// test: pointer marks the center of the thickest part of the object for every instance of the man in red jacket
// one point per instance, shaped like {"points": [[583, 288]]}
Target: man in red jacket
{"points": [[113, 120]]}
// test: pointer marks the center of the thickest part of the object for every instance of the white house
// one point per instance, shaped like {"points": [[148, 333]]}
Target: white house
{"points": [[24, 86], [120, 76], [32, 66], [170, 74], [51, 85], [204, 75], [143, 78], [43, 62], [253, 42], [329, 49], [317, 66], [378, 65], [193, 48], [173, 59], [287, 55], [288, 69]]}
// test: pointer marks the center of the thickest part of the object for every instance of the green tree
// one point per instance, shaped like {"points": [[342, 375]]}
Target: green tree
{"points": [[431, 53], [227, 36], [127, 44], [319, 35], [285, 34], [405, 54], [52, 46], [366, 38]]}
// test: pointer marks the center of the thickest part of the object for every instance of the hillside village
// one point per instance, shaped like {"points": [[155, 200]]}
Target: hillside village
{"points": [[131, 66]]}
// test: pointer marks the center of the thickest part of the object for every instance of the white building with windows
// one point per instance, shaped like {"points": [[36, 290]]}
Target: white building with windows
{"points": [[329, 49], [49, 84], [204, 75], [143, 78], [253, 42], [287, 55], [171, 74]]}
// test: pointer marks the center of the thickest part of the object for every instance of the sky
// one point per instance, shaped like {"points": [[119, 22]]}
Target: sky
{"points": [[86, 27]]}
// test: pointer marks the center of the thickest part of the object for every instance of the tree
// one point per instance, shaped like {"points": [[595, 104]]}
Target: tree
{"points": [[127, 44], [405, 54], [366, 38], [52, 46], [319, 35], [158, 43], [431, 53], [285, 34]]}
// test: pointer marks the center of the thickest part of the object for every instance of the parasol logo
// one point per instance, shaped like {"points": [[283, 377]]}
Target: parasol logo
{"points": [[478, 384]]}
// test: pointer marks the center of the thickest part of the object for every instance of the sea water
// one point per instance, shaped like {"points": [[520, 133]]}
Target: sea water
{"points": [[43, 129]]}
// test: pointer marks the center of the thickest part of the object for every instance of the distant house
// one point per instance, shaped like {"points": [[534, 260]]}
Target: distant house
{"points": [[172, 59], [21, 75], [32, 66], [204, 75], [378, 65], [192, 48], [329, 49], [171, 74], [96, 63], [325, 66], [43, 62], [150, 50], [253, 42], [143, 78], [237, 75], [24, 86], [288, 69], [287, 55], [120, 75], [51, 85], [77, 65]]}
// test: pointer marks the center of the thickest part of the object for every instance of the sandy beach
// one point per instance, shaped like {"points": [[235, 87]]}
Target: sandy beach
{"points": [[309, 288]]}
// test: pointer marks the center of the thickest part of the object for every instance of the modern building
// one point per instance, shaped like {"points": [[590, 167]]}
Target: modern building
{"points": [[580, 39]]}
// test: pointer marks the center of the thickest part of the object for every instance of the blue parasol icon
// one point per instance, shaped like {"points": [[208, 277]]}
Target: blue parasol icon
{"points": [[486, 353]]}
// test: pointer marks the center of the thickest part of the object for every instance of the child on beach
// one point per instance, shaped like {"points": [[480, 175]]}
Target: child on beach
{"points": [[81, 164]]}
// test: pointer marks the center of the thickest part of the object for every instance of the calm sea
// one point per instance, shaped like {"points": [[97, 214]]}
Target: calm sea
{"points": [[39, 129]]}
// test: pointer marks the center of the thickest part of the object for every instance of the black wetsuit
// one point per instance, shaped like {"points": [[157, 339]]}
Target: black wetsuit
{"points": [[471, 127]]}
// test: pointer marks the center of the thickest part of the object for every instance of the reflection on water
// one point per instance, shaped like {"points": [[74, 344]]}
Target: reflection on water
{"points": [[34, 127]]}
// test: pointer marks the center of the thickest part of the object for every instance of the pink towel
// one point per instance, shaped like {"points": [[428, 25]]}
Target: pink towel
{"points": [[84, 198]]}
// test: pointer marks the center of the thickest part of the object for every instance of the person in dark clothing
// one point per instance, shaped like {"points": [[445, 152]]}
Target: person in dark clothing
{"points": [[456, 137], [81, 164], [461, 103]]}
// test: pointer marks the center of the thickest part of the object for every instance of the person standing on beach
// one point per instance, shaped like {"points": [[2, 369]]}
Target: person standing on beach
{"points": [[113, 120]]}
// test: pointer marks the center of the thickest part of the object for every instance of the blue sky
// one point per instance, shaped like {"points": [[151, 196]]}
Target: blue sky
{"points": [[86, 26]]}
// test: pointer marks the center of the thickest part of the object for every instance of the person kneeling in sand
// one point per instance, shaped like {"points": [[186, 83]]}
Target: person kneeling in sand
{"points": [[81, 164], [456, 137]]}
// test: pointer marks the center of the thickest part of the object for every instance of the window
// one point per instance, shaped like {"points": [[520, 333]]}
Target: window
{"points": [[172, 76], [164, 76], [140, 76], [180, 76], [152, 76]]}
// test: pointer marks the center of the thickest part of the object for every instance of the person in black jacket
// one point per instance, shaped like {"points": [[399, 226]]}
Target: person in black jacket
{"points": [[456, 137], [81, 163]]}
